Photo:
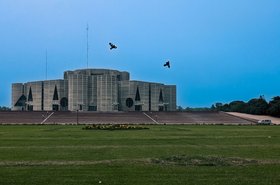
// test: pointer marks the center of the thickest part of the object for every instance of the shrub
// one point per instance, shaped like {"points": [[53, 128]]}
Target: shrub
{"points": [[114, 127]]}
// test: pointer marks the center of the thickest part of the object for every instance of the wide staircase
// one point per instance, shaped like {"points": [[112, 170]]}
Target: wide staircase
{"points": [[67, 117]]}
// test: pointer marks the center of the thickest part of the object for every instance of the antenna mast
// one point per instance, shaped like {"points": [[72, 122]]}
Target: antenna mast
{"points": [[87, 46], [46, 64]]}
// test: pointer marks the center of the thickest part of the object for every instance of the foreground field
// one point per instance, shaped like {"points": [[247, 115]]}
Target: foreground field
{"points": [[160, 155]]}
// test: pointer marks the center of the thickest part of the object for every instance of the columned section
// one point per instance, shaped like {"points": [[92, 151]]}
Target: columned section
{"points": [[18, 96], [78, 91], [145, 96], [54, 92], [107, 93], [34, 95]]}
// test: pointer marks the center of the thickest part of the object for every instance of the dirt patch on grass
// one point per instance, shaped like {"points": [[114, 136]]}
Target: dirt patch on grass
{"points": [[71, 163], [184, 160], [180, 160], [55, 163]]}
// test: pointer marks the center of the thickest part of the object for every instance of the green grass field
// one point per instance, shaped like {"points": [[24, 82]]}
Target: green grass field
{"points": [[171, 155]]}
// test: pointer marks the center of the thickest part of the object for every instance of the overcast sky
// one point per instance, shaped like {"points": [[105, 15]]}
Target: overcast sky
{"points": [[220, 50]]}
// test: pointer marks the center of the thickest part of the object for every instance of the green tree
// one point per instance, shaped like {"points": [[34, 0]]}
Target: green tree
{"points": [[225, 108], [179, 108], [238, 106], [219, 106], [257, 106], [5, 108], [274, 106]]}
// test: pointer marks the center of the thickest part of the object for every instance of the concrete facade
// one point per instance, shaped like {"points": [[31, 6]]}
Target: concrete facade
{"points": [[93, 90]]}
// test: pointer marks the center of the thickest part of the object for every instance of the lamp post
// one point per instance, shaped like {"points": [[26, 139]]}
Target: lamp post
{"points": [[79, 107], [77, 116]]}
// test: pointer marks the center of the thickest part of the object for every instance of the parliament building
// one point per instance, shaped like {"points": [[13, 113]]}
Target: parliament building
{"points": [[93, 90]]}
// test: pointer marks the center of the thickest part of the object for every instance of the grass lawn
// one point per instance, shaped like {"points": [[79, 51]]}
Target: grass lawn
{"points": [[171, 155]]}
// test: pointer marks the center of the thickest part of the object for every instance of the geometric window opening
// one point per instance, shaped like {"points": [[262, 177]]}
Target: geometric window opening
{"points": [[55, 94], [21, 101], [64, 102], [30, 107], [129, 102], [92, 108], [138, 107], [160, 96], [137, 96], [161, 108], [30, 97], [55, 107]]}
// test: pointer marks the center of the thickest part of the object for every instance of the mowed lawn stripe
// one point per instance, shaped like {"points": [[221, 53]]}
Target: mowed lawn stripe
{"points": [[55, 154]]}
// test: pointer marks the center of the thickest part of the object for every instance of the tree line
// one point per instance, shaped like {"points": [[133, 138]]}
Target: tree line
{"points": [[258, 106], [5, 108]]}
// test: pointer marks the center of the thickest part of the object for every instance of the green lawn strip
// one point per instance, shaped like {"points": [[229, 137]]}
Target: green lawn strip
{"points": [[55, 154], [138, 174], [139, 151]]}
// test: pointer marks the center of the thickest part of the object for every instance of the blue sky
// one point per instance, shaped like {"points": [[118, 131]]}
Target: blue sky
{"points": [[220, 50]]}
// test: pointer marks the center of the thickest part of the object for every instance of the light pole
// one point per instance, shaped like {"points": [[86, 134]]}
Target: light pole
{"points": [[77, 116], [79, 107]]}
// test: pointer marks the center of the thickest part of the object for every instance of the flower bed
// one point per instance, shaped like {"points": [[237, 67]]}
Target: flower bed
{"points": [[114, 127]]}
